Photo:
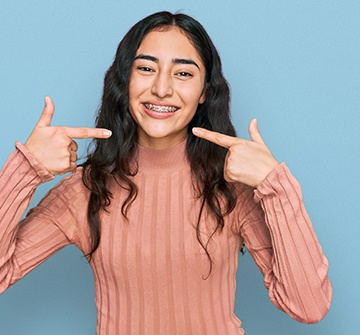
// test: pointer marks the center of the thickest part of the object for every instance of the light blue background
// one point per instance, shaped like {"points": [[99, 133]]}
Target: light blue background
{"points": [[295, 65]]}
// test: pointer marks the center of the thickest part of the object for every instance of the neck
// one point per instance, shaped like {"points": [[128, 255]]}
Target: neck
{"points": [[159, 161], [161, 143]]}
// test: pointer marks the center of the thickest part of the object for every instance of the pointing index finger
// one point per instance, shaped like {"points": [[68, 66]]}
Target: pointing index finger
{"points": [[87, 132], [215, 137]]}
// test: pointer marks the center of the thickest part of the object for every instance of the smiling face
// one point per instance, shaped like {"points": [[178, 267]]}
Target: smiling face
{"points": [[166, 86]]}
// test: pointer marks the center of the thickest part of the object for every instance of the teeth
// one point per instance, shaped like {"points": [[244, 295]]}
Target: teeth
{"points": [[161, 109]]}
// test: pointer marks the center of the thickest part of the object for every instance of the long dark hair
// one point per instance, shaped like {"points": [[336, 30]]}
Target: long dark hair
{"points": [[114, 157]]}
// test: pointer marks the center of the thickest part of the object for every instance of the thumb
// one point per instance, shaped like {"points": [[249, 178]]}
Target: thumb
{"points": [[47, 113], [254, 132]]}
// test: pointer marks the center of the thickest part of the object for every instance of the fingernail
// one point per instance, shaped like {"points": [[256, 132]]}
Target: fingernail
{"points": [[107, 133], [196, 130], [45, 100], [255, 122]]}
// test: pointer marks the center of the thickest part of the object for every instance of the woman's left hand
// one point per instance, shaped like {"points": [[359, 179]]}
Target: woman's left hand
{"points": [[248, 162]]}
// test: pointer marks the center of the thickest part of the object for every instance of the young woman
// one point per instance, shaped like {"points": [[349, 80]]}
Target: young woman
{"points": [[167, 198]]}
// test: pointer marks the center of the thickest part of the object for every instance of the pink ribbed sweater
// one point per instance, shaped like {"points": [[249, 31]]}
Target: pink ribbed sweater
{"points": [[149, 271]]}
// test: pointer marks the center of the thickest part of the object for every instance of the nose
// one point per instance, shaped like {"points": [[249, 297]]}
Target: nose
{"points": [[162, 85]]}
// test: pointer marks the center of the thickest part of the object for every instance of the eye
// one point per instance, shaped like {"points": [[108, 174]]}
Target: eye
{"points": [[145, 69], [184, 74]]}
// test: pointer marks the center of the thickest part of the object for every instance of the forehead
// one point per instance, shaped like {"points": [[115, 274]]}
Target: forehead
{"points": [[172, 42]]}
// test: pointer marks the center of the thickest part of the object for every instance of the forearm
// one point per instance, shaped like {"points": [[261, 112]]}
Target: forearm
{"points": [[19, 178], [294, 266]]}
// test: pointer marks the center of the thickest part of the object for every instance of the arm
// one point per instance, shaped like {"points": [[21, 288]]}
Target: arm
{"points": [[277, 230], [280, 238], [48, 151], [18, 181]]}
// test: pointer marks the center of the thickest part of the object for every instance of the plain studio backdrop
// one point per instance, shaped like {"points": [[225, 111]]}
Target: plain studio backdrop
{"points": [[295, 65]]}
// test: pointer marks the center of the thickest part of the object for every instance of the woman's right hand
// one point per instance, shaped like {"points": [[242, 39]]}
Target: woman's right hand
{"points": [[54, 147]]}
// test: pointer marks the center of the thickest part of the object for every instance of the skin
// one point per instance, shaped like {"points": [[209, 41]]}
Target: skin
{"points": [[54, 147], [247, 161], [167, 71]]}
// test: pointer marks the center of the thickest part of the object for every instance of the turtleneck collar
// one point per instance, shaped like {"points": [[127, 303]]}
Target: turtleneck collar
{"points": [[166, 160]]}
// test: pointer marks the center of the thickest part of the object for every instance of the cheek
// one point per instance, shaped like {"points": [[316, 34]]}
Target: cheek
{"points": [[132, 98], [194, 98], [132, 89], [134, 86], [137, 88]]}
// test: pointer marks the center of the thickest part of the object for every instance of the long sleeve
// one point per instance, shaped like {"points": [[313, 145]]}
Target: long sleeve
{"points": [[286, 249], [26, 244]]}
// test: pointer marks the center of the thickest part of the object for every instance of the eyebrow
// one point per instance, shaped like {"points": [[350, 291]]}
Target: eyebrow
{"points": [[175, 60]]}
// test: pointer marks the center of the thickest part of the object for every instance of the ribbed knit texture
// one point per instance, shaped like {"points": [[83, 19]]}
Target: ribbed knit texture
{"points": [[149, 270]]}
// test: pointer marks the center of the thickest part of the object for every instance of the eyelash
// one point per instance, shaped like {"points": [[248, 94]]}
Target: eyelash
{"points": [[145, 68], [184, 74], [180, 74]]}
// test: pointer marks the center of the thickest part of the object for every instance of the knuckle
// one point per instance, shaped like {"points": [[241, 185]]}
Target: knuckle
{"points": [[64, 165], [73, 145], [227, 178], [231, 171]]}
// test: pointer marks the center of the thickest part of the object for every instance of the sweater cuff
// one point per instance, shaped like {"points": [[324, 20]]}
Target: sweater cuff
{"points": [[40, 170], [274, 182]]}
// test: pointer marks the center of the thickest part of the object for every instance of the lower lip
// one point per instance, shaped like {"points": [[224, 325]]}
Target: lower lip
{"points": [[157, 115]]}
